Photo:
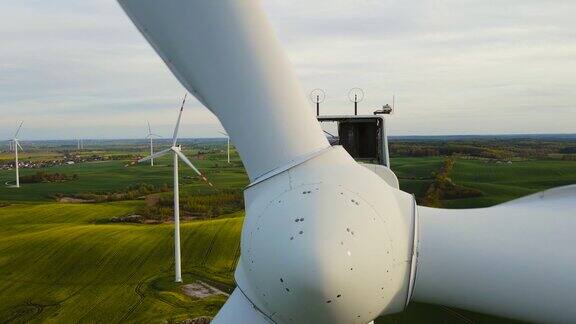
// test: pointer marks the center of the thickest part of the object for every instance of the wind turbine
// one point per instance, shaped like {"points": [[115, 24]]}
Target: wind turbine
{"points": [[151, 136], [326, 240], [228, 149], [15, 146], [177, 153]]}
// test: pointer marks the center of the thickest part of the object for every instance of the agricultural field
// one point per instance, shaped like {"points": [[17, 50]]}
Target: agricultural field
{"points": [[67, 262], [117, 175], [57, 264]]}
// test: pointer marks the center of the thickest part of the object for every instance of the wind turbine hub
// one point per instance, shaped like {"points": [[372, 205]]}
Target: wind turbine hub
{"points": [[321, 252]]}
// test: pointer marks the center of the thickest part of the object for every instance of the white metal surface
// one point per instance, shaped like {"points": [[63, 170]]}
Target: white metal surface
{"points": [[239, 310], [516, 260], [151, 138], [177, 263], [385, 148], [383, 172], [17, 145], [151, 151], [228, 145], [326, 241], [227, 55], [16, 162], [176, 154], [156, 155], [177, 128]]}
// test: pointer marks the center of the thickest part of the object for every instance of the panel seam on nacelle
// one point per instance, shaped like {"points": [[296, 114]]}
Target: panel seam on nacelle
{"points": [[414, 264], [288, 166]]}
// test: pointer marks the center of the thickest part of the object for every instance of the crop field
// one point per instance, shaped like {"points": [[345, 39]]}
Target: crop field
{"points": [[66, 262], [107, 176], [503, 182], [57, 264]]}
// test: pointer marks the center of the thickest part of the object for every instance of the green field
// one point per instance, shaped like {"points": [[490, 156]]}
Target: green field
{"points": [[57, 265], [503, 182], [64, 263], [101, 177]]}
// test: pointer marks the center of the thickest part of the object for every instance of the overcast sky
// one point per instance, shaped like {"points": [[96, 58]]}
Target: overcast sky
{"points": [[72, 68]]}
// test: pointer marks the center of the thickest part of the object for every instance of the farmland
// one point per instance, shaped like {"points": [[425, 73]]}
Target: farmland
{"points": [[66, 262], [58, 265]]}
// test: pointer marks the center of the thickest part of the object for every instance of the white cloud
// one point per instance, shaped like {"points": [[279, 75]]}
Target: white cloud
{"points": [[79, 68]]}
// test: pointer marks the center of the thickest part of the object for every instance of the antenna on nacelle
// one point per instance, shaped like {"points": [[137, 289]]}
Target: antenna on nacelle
{"points": [[317, 96], [356, 95]]}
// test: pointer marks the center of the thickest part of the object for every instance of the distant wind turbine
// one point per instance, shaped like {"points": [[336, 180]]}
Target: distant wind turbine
{"points": [[228, 138], [150, 136], [16, 145], [177, 153]]}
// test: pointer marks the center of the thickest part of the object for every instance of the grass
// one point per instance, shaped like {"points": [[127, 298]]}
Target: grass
{"points": [[503, 182], [99, 177], [415, 174], [499, 182], [57, 264]]}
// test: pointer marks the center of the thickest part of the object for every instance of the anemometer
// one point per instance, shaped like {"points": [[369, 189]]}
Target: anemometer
{"points": [[317, 96], [356, 95]]}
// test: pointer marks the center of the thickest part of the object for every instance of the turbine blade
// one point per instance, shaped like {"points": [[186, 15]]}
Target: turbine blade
{"points": [[185, 159], [175, 136], [149, 129], [500, 257], [18, 130], [254, 93], [223, 133], [155, 155], [20, 146]]}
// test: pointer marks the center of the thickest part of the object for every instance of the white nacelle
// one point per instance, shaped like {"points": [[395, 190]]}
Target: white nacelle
{"points": [[319, 248], [383, 172]]}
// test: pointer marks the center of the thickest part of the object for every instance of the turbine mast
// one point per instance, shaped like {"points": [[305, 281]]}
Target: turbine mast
{"points": [[16, 163], [177, 262]]}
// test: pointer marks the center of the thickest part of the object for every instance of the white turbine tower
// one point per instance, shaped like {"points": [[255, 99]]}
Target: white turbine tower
{"points": [[228, 143], [15, 146], [326, 240], [177, 153], [151, 136]]}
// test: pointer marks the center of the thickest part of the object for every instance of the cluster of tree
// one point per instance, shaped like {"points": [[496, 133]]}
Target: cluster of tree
{"points": [[42, 176], [198, 205], [412, 149], [568, 150], [496, 149], [444, 188], [129, 193]]}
